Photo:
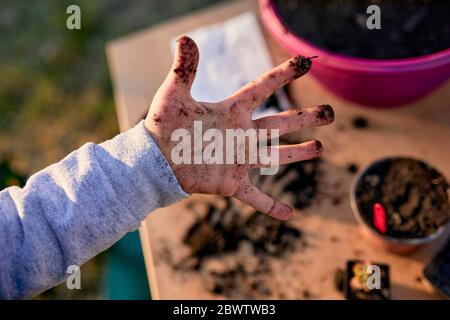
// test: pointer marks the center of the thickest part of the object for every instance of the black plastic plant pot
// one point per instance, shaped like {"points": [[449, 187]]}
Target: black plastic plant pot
{"points": [[437, 271], [357, 282], [401, 203]]}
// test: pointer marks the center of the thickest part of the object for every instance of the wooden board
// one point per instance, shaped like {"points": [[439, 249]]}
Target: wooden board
{"points": [[140, 62]]}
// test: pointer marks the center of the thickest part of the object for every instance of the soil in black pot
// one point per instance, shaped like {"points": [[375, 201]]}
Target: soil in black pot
{"points": [[409, 28], [413, 195]]}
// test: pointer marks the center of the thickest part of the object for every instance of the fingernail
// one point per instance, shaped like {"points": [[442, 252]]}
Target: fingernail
{"points": [[301, 65], [326, 113], [184, 38], [284, 212], [318, 146]]}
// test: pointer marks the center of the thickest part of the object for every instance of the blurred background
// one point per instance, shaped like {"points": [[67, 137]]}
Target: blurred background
{"points": [[55, 95]]}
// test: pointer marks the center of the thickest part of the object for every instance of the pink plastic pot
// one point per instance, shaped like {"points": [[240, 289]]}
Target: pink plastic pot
{"points": [[371, 82]]}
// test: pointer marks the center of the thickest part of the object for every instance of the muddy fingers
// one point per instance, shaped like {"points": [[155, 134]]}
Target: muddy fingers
{"points": [[256, 92], [292, 120], [293, 153], [210, 146], [251, 195], [185, 62]]}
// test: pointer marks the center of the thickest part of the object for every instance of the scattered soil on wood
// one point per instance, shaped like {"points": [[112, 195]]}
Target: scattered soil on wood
{"points": [[298, 181], [352, 168], [360, 122], [243, 244], [233, 251], [221, 231]]}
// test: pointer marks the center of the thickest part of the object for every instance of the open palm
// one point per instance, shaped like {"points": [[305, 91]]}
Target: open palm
{"points": [[173, 108]]}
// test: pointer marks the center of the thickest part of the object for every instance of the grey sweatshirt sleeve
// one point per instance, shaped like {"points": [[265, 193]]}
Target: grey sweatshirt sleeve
{"points": [[78, 207]]}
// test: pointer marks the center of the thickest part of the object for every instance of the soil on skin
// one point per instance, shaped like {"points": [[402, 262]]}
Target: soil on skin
{"points": [[409, 28], [413, 194]]}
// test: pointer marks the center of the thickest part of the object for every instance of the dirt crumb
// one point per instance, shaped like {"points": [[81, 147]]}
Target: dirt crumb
{"points": [[360, 122], [352, 168]]}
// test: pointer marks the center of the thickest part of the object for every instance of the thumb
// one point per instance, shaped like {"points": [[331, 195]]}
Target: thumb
{"points": [[184, 67]]}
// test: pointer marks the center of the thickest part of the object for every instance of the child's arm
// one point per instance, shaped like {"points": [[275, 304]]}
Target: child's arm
{"points": [[72, 210]]}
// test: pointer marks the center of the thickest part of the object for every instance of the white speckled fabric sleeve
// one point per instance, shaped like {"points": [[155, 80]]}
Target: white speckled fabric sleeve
{"points": [[78, 207]]}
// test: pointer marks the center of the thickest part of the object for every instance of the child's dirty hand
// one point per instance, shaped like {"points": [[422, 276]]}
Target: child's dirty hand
{"points": [[173, 108]]}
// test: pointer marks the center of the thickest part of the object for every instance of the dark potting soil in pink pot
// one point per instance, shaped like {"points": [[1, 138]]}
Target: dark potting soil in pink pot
{"points": [[397, 64], [408, 28]]}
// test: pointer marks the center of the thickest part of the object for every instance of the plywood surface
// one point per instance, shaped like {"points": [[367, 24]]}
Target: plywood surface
{"points": [[139, 63]]}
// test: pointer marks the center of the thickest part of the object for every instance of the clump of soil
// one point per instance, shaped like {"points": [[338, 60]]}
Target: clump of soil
{"points": [[298, 182], [243, 243], [352, 168], [242, 275], [360, 122], [409, 28], [413, 195], [221, 231]]}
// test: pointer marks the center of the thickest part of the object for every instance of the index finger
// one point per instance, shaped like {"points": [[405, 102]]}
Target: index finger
{"points": [[256, 92]]}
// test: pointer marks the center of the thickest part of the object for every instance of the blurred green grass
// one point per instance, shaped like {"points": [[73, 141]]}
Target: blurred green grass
{"points": [[55, 90]]}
